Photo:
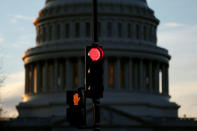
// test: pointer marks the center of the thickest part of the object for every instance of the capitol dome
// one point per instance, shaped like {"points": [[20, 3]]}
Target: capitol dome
{"points": [[136, 69]]}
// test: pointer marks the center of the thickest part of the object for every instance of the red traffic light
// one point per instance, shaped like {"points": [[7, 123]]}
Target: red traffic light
{"points": [[95, 54]]}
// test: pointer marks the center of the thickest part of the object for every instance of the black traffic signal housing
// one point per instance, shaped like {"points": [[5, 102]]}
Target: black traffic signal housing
{"points": [[94, 72], [76, 113]]}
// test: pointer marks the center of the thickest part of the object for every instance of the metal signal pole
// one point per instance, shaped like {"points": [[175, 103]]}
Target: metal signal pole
{"points": [[95, 21], [96, 102]]}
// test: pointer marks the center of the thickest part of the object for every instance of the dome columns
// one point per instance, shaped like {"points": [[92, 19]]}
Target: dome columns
{"points": [[81, 72], [38, 77], [138, 75], [165, 79], [26, 79], [156, 78], [106, 73], [45, 80], [68, 74], [141, 76], [130, 76], [31, 78], [150, 76], [117, 74]]}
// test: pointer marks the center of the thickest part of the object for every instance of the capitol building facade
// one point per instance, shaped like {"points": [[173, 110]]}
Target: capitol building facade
{"points": [[136, 69]]}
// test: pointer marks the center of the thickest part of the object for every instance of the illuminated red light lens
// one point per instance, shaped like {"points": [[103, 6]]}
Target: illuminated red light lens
{"points": [[95, 54]]}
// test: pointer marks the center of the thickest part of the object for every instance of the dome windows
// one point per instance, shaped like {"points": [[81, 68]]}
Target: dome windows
{"points": [[77, 30], [67, 30], [124, 30], [87, 29], [50, 32], [145, 33], [119, 30], [137, 32], [129, 30], [109, 29], [57, 32]]}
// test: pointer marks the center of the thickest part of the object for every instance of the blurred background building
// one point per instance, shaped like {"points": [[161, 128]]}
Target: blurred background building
{"points": [[136, 69]]}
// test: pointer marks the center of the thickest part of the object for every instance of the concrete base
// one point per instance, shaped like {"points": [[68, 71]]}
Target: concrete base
{"points": [[137, 104]]}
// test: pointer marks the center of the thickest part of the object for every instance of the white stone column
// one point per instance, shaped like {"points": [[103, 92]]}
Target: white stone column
{"points": [[126, 75], [163, 79], [131, 84], [26, 79], [68, 79], [45, 88], [136, 76], [117, 74], [141, 77], [62, 76], [106, 74], [32, 79], [165, 83], [144, 77], [80, 74], [55, 78], [167, 79], [150, 76], [156, 78], [38, 77]]}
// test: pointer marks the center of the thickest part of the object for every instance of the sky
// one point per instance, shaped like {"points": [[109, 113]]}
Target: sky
{"points": [[177, 32]]}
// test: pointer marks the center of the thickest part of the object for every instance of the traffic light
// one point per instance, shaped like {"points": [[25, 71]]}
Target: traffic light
{"points": [[94, 72], [76, 113]]}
